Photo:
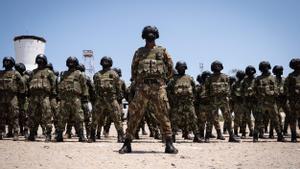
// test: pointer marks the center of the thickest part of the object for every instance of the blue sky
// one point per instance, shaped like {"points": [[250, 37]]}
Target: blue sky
{"points": [[236, 32]]}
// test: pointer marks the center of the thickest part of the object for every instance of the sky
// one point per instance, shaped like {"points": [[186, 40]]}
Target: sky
{"points": [[236, 32]]}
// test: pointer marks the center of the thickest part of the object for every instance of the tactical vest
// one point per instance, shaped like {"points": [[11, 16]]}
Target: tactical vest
{"points": [[248, 87], [220, 88], [152, 64], [70, 83], [8, 82], [266, 86], [280, 86], [40, 81], [237, 89], [183, 86], [105, 83]]}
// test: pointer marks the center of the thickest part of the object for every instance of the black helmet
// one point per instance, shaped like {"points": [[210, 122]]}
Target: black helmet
{"points": [[106, 58], [294, 62], [41, 56], [118, 71], [150, 32], [180, 64], [72, 59], [205, 75], [250, 70], [277, 69], [216, 63], [232, 79], [240, 74], [264, 64], [9, 58], [81, 67], [199, 79], [20, 67]]}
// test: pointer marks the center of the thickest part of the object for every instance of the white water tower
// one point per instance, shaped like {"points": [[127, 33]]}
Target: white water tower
{"points": [[27, 47]]}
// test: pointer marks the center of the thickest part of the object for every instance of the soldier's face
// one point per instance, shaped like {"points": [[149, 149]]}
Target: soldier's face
{"points": [[264, 69], [7, 64], [40, 61], [150, 37], [181, 70]]}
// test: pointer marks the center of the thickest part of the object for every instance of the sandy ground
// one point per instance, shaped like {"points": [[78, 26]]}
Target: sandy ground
{"points": [[148, 153]]}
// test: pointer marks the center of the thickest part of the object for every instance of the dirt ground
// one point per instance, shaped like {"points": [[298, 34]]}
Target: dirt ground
{"points": [[148, 153]]}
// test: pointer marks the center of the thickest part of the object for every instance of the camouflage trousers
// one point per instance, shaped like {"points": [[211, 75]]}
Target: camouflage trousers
{"points": [[55, 110], [155, 95], [9, 112], [109, 120], [206, 116], [222, 103], [248, 108], [39, 112], [182, 116], [295, 113], [151, 120], [23, 114], [70, 111], [238, 110], [104, 108], [268, 107]]}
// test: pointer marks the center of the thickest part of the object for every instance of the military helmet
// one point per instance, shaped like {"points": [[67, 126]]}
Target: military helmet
{"points": [[215, 63], [81, 67], [276, 69], [20, 67], [150, 30], [250, 70], [232, 79], [205, 75], [240, 74], [11, 59], [41, 56], [106, 58], [199, 79], [294, 62], [180, 64], [72, 59], [264, 64]]}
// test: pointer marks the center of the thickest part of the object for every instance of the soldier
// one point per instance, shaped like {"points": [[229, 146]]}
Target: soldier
{"points": [[73, 92], [292, 89], [41, 91], [151, 68], [249, 100], [218, 89], [182, 115], [11, 86], [23, 102], [108, 88], [236, 93], [266, 93]]}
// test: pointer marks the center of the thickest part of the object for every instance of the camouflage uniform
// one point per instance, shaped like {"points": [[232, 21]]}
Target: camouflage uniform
{"points": [[41, 88], [11, 85], [236, 94], [107, 87], [72, 88]]}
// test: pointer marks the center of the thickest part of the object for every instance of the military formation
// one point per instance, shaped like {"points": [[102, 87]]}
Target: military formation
{"points": [[166, 99]]}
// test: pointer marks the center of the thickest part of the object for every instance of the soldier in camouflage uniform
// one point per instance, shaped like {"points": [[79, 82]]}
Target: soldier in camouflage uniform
{"points": [[108, 88], [182, 115], [236, 94], [218, 89], [292, 89], [11, 86], [151, 68], [249, 100], [266, 92], [232, 80], [41, 91], [23, 101], [72, 93]]}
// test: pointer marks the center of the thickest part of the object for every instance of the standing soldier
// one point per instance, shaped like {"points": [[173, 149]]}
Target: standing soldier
{"points": [[236, 93], [11, 86], [72, 92], [266, 93], [151, 68], [107, 87], [23, 101], [182, 115], [41, 91], [292, 89], [218, 89]]}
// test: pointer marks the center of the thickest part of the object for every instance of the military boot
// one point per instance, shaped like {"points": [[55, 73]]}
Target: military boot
{"points": [[9, 134], [174, 138], [261, 134], [31, 136], [92, 136], [212, 135], [219, 135], [48, 137], [280, 137], [59, 137], [251, 133], [81, 136], [126, 148], [16, 136], [197, 139], [1, 136], [98, 135], [120, 136], [255, 137], [157, 135], [271, 134], [294, 136], [207, 137], [170, 149], [232, 138], [236, 132]]}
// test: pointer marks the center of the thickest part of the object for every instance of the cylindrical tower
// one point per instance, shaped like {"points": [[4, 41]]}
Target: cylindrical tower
{"points": [[27, 47]]}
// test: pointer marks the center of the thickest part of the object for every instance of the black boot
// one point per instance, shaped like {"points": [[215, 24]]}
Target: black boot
{"points": [[251, 133], [294, 136], [232, 138], [255, 137], [157, 135], [207, 137], [261, 134], [212, 136], [81, 136], [120, 136], [31, 136], [59, 137], [137, 135], [236, 132], [126, 148], [16, 136], [48, 137], [219, 135], [174, 138], [280, 137], [271, 134], [92, 136], [170, 149], [197, 138]]}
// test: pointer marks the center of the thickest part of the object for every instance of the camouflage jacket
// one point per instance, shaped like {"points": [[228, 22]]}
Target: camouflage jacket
{"points": [[217, 85], [42, 81], [11, 82]]}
